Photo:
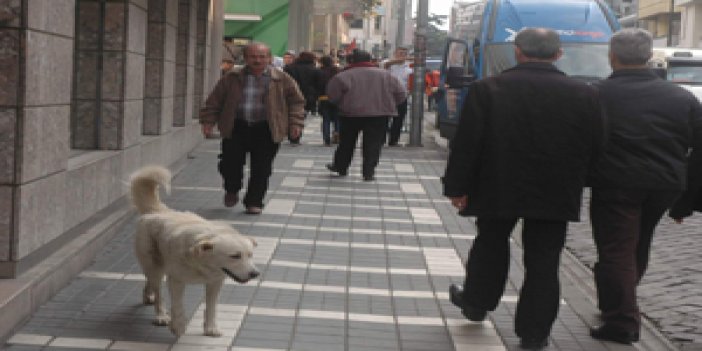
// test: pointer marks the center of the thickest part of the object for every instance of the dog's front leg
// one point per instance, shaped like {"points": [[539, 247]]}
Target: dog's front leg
{"points": [[162, 317], [211, 297], [176, 289]]}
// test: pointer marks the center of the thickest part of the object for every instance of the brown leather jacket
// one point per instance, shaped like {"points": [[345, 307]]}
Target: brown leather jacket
{"points": [[284, 104]]}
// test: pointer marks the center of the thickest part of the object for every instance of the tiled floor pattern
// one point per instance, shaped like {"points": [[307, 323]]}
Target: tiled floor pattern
{"points": [[346, 266], [440, 262]]}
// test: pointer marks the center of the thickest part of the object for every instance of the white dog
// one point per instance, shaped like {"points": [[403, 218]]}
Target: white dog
{"points": [[185, 248]]}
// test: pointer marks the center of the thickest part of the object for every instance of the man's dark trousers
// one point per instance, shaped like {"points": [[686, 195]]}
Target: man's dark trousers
{"points": [[623, 222], [488, 265], [254, 139], [397, 122], [373, 129]]}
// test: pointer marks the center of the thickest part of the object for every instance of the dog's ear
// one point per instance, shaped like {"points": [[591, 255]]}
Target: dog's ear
{"points": [[202, 247], [253, 241]]}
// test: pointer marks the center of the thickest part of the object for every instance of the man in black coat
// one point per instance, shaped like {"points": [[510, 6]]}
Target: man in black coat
{"points": [[310, 80], [521, 151], [651, 126]]}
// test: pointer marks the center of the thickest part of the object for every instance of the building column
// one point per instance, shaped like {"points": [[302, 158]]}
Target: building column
{"points": [[181, 63], [202, 11], [299, 24], [36, 66], [110, 50], [160, 66], [334, 31], [213, 41], [692, 25]]}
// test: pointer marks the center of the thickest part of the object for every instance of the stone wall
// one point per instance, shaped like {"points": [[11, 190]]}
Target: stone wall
{"points": [[76, 108]]}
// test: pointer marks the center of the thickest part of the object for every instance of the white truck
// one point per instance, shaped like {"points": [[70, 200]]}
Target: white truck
{"points": [[681, 66]]}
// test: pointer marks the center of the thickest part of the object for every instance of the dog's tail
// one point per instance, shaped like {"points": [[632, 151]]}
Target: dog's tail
{"points": [[144, 188]]}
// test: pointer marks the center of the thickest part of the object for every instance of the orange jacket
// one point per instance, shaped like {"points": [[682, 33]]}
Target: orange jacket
{"points": [[431, 80]]}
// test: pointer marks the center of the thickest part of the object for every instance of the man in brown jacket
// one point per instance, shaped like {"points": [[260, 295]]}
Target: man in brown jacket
{"points": [[254, 108]]}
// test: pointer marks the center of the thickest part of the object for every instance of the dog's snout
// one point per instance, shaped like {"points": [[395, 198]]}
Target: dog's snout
{"points": [[254, 274]]}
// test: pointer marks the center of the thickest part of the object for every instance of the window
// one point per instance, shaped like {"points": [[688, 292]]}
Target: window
{"points": [[356, 24]]}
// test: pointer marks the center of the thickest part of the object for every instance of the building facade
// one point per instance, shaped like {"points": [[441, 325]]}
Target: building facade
{"points": [[91, 90], [662, 19], [690, 23]]}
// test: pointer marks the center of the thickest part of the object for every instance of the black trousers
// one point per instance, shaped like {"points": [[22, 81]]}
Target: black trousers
{"points": [[623, 222], [488, 265], [255, 140], [397, 121], [373, 129]]}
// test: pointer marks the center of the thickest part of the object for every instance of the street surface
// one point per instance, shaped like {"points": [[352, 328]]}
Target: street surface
{"points": [[346, 265]]}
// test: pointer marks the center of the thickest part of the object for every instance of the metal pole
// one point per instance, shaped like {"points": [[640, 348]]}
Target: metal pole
{"points": [[420, 54], [400, 35], [670, 23]]}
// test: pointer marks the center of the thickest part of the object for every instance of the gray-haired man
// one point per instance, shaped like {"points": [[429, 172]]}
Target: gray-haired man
{"points": [[651, 124], [521, 151]]}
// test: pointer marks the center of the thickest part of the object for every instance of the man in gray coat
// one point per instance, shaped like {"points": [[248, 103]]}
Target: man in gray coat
{"points": [[366, 96]]}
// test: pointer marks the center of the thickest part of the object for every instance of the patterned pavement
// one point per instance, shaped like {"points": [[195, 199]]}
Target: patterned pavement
{"points": [[346, 265]]}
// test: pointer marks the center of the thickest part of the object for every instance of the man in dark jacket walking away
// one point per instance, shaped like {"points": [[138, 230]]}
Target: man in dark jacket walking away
{"points": [[651, 125], [327, 109], [521, 151], [309, 79], [366, 95]]}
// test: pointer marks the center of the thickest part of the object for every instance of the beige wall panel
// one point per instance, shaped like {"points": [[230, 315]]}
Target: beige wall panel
{"points": [[45, 141]]}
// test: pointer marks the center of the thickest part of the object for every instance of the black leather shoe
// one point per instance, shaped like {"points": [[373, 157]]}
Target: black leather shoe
{"points": [[341, 172], [472, 313], [533, 343], [231, 199], [606, 332], [368, 178]]}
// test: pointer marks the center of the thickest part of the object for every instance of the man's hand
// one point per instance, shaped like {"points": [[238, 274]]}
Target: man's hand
{"points": [[207, 129], [295, 132], [459, 202]]}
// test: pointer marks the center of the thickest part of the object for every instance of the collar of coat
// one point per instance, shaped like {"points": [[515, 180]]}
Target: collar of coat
{"points": [[536, 66], [639, 72], [273, 72]]}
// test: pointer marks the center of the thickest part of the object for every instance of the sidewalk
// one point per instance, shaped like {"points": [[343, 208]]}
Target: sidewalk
{"points": [[346, 265]]}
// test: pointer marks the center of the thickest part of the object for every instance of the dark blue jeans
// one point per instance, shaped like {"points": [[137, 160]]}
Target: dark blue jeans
{"points": [[373, 129], [623, 223], [256, 141], [395, 128], [330, 117], [488, 264]]}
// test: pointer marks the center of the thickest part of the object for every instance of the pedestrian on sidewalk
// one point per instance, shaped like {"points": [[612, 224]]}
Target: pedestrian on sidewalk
{"points": [[651, 126], [225, 66], [309, 79], [327, 109], [288, 57], [255, 108], [366, 96], [521, 151], [399, 67]]}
